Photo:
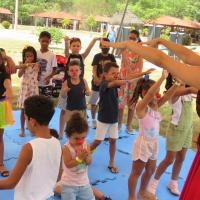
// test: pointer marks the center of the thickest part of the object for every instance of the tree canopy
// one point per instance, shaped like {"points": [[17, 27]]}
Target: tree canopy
{"points": [[145, 9]]}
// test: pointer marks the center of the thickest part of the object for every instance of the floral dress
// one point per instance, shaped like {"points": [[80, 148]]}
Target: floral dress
{"points": [[29, 85], [131, 63]]}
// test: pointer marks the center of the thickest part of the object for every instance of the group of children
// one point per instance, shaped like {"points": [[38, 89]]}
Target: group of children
{"points": [[37, 169]]}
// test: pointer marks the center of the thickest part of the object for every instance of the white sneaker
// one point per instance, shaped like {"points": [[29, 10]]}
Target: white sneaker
{"points": [[173, 188], [94, 124], [131, 132], [152, 186]]}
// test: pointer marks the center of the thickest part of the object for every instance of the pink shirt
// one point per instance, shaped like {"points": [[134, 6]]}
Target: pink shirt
{"points": [[75, 176], [149, 125]]}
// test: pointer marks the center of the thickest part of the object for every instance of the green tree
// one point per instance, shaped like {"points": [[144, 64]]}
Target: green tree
{"points": [[91, 23]]}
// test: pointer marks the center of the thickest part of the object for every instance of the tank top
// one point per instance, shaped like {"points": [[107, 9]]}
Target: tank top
{"points": [[76, 96], [177, 108], [149, 125], [39, 178], [75, 176], [77, 57]]}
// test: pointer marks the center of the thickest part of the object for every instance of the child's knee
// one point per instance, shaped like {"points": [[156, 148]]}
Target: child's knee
{"points": [[112, 141]]}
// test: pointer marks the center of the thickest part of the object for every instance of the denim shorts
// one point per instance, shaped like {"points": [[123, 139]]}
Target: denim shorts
{"points": [[77, 193]]}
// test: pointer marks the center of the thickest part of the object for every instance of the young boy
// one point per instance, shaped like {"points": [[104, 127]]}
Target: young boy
{"points": [[98, 63], [108, 110], [48, 64], [36, 171]]}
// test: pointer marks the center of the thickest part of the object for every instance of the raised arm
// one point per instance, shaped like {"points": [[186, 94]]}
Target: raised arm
{"points": [[188, 74], [88, 49], [66, 39], [141, 106], [185, 54]]}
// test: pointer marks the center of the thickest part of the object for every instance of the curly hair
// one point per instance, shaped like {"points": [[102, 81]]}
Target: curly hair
{"points": [[29, 49]]}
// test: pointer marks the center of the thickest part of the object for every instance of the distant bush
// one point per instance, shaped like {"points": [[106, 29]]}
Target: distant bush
{"points": [[6, 24], [187, 40], [56, 34]]}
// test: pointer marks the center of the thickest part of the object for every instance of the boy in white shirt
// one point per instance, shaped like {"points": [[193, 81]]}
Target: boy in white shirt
{"points": [[48, 64], [36, 171]]}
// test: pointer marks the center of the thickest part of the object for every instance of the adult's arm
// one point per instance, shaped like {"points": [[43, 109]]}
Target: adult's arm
{"points": [[185, 54], [187, 73]]}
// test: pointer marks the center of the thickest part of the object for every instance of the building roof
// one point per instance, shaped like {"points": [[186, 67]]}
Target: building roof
{"points": [[5, 11], [99, 18], [175, 22], [129, 19], [56, 15]]}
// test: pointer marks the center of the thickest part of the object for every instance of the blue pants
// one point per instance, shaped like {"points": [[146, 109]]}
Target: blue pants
{"points": [[77, 193]]}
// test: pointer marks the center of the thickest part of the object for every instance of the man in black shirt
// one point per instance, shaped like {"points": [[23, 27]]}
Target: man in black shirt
{"points": [[98, 63]]}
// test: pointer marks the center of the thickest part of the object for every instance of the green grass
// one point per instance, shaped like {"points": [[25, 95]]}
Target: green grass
{"points": [[14, 48]]}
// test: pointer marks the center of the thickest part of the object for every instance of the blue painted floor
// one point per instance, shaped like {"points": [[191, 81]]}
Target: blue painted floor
{"points": [[110, 184]]}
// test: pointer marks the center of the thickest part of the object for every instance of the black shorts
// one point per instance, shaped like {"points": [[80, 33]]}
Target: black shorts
{"points": [[46, 90]]}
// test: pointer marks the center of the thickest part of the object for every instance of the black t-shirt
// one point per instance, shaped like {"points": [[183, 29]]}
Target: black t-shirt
{"points": [[76, 96], [77, 57], [3, 77], [100, 60], [108, 103]]}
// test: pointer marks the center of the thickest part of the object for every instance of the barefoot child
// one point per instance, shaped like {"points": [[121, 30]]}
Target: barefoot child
{"points": [[36, 171], [145, 147], [179, 136], [108, 110], [6, 117], [73, 44], [29, 83], [76, 158]]}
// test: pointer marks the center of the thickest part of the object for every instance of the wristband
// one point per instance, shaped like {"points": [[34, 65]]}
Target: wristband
{"points": [[78, 160]]}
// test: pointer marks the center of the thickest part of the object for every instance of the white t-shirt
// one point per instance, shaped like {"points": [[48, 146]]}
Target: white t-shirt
{"points": [[47, 61], [39, 178]]}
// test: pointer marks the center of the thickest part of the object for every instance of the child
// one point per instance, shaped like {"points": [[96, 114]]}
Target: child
{"points": [[98, 62], [37, 167], [73, 44], [6, 117], [8, 61], [145, 147], [29, 83], [48, 64], [131, 63], [76, 158], [76, 88], [108, 110], [179, 136]]}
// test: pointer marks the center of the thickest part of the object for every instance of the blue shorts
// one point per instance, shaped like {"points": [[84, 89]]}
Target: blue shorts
{"points": [[77, 193]]}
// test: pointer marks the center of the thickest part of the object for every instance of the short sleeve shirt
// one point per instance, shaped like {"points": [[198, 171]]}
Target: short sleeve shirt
{"points": [[47, 61], [108, 103], [100, 60]]}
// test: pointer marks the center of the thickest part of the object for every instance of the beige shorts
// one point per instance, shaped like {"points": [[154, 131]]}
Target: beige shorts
{"points": [[145, 149], [103, 129], [69, 113]]}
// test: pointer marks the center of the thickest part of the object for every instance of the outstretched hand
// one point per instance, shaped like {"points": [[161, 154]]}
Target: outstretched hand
{"points": [[149, 71], [152, 43]]}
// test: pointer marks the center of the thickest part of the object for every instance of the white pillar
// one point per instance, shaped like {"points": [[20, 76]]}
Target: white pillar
{"points": [[16, 14]]}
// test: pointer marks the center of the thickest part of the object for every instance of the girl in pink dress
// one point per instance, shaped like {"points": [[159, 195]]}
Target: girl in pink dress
{"points": [[29, 83]]}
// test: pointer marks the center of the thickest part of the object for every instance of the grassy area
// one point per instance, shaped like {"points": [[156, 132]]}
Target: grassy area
{"points": [[14, 48]]}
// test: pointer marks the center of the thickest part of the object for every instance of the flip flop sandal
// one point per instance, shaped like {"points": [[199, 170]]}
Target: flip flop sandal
{"points": [[113, 169]]}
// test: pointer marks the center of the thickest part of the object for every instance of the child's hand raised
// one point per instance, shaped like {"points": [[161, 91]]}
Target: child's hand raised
{"points": [[66, 38], [165, 74]]}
